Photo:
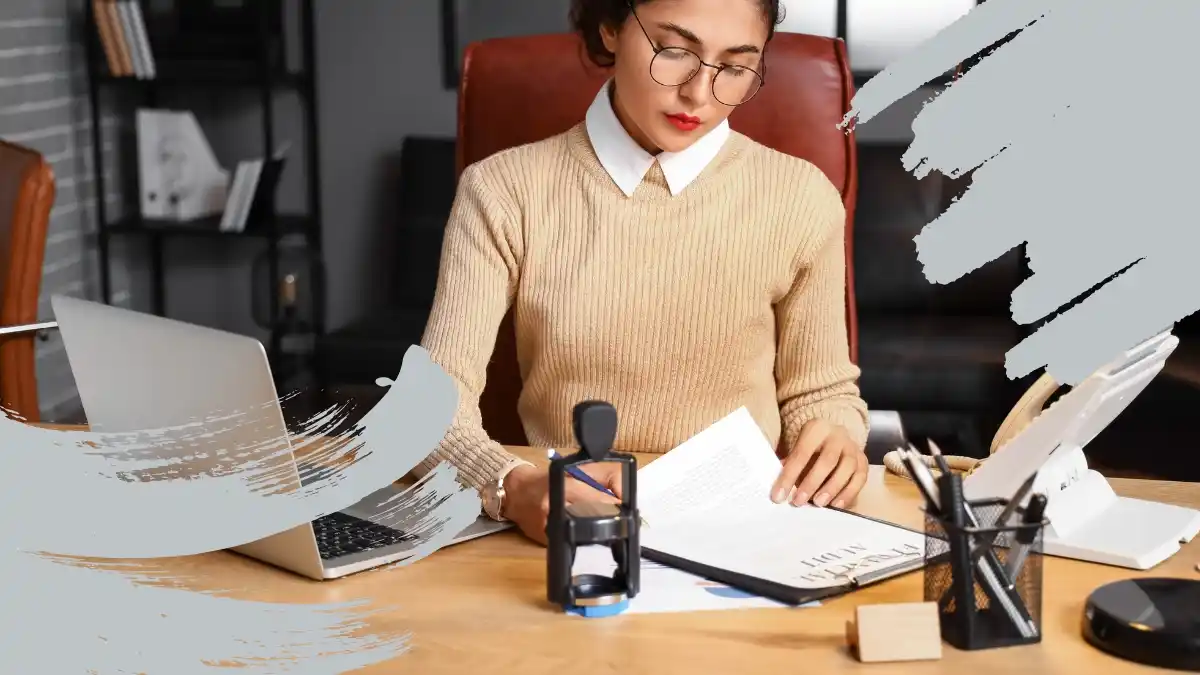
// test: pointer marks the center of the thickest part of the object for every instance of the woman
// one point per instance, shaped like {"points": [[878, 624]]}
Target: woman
{"points": [[656, 260]]}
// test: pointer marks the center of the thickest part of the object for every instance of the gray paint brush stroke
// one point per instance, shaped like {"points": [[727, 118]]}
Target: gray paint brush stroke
{"points": [[1061, 124], [109, 518], [71, 619], [135, 496]]}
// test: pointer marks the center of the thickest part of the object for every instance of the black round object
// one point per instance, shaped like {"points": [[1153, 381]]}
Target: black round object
{"points": [[1151, 621], [597, 590]]}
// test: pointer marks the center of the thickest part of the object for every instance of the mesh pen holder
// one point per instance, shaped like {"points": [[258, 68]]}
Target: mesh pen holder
{"points": [[980, 606]]}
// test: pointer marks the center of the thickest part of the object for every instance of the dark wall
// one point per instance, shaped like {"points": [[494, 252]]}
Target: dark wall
{"points": [[380, 80]]}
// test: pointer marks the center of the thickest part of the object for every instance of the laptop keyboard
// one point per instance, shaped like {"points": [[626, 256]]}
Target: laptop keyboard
{"points": [[339, 534]]}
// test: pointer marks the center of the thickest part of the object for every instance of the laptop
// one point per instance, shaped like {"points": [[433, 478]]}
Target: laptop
{"points": [[123, 361]]}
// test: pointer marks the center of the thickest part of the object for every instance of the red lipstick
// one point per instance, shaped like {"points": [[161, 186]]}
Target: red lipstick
{"points": [[683, 122]]}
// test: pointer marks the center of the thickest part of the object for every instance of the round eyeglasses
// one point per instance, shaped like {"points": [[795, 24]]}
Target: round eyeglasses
{"points": [[731, 86], [675, 66]]}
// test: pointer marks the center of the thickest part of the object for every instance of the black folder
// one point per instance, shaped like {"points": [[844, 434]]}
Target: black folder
{"points": [[790, 595]]}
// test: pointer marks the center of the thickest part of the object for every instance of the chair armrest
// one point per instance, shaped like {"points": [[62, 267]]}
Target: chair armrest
{"points": [[37, 328], [887, 433]]}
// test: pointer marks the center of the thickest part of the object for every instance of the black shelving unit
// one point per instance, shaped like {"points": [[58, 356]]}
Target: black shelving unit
{"points": [[265, 76]]}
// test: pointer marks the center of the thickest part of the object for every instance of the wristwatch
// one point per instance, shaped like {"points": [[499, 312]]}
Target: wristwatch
{"points": [[493, 494]]}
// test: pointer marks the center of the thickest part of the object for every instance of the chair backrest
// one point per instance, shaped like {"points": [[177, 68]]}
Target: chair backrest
{"points": [[26, 197], [521, 90]]}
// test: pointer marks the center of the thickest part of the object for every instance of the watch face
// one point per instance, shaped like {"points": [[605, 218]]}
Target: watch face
{"points": [[491, 501]]}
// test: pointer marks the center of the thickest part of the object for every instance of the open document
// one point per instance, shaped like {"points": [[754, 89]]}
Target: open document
{"points": [[708, 508]]}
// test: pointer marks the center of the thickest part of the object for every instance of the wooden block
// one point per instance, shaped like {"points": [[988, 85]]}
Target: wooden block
{"points": [[895, 632]]}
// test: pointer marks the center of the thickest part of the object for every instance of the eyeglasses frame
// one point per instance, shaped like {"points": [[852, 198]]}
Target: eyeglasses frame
{"points": [[762, 81]]}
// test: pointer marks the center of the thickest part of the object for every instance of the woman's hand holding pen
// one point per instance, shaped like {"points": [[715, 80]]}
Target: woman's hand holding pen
{"points": [[527, 494], [825, 465]]}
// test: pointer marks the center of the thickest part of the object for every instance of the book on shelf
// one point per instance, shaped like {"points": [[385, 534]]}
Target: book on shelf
{"points": [[252, 193], [198, 37], [121, 26]]}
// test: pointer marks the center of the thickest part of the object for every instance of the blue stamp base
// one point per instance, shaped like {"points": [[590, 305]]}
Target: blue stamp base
{"points": [[602, 611]]}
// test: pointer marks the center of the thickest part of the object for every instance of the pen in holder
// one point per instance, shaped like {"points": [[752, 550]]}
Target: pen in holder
{"points": [[593, 523], [986, 577]]}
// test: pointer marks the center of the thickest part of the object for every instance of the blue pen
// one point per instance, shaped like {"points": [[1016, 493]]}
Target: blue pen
{"points": [[579, 475]]}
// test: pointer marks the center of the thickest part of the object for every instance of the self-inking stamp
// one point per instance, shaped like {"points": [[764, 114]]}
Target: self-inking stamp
{"points": [[593, 523]]}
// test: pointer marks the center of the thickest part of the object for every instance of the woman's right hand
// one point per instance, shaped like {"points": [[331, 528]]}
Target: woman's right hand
{"points": [[527, 494]]}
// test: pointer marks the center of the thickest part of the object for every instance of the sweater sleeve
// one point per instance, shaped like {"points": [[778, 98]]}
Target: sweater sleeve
{"points": [[814, 374], [477, 279]]}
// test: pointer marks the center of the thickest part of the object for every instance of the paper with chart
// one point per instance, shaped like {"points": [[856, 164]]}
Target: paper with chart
{"points": [[708, 501], [665, 589]]}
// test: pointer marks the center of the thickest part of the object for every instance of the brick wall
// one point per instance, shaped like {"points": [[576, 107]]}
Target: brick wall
{"points": [[44, 105]]}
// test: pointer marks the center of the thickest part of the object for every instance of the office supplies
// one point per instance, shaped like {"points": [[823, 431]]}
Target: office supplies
{"points": [[1017, 499], [961, 556], [962, 591], [1088, 521], [982, 557], [933, 488], [921, 476], [1007, 513], [952, 572], [990, 569], [1016, 557], [903, 631], [930, 496], [1152, 621], [936, 453], [709, 502], [123, 362], [569, 526]]}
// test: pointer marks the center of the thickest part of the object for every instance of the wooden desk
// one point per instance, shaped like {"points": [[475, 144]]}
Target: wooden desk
{"points": [[481, 608]]}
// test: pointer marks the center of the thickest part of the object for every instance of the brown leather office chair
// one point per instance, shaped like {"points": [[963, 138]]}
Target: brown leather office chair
{"points": [[26, 197], [520, 90]]}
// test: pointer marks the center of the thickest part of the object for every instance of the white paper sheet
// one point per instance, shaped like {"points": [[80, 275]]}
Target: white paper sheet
{"points": [[729, 465]]}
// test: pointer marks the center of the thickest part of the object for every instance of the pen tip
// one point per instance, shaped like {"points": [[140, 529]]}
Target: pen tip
{"points": [[933, 448]]}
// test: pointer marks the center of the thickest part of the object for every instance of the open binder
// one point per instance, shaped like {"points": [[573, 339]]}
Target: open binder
{"points": [[709, 513], [785, 593]]}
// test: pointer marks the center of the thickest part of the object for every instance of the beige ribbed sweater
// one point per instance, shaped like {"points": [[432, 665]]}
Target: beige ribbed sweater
{"points": [[676, 309]]}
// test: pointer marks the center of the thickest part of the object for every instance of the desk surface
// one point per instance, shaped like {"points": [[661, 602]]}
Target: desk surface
{"points": [[480, 607]]}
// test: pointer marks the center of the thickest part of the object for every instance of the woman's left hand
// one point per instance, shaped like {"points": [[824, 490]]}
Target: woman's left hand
{"points": [[825, 465]]}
